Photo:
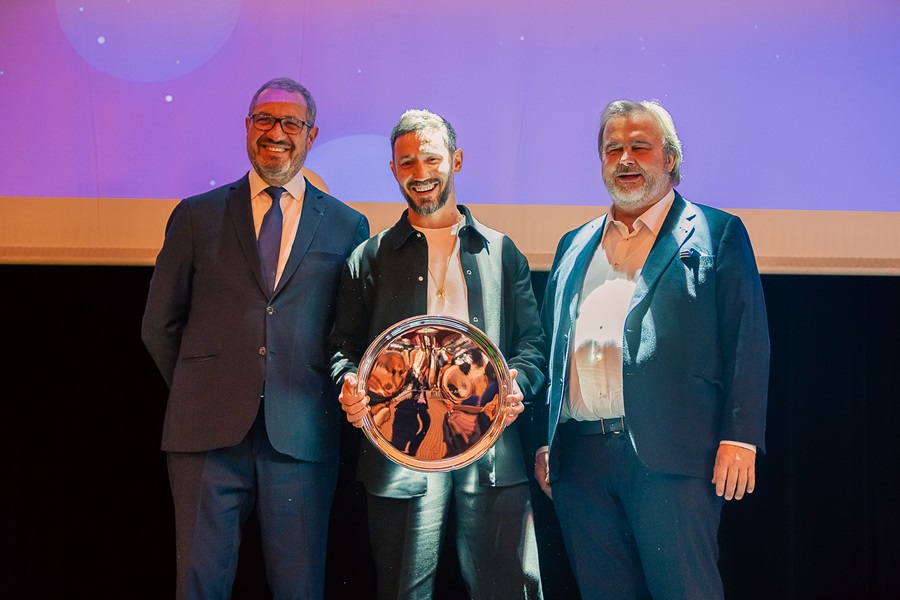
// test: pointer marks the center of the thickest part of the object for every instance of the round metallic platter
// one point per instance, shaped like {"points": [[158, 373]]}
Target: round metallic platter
{"points": [[437, 390]]}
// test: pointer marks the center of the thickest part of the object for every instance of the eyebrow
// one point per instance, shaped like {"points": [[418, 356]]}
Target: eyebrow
{"points": [[424, 154]]}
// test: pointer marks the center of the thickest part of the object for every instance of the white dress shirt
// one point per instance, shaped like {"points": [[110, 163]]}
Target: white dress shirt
{"points": [[595, 372]]}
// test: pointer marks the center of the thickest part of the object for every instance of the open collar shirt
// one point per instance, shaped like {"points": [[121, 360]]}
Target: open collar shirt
{"points": [[595, 376]]}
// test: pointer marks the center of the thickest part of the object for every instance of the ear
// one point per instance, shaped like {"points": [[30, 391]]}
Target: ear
{"points": [[313, 132], [671, 160], [457, 160]]}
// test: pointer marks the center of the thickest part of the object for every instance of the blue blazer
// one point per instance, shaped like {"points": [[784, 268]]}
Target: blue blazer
{"points": [[695, 344], [217, 335]]}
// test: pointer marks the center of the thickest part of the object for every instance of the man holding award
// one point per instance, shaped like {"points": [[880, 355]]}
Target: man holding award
{"points": [[438, 260]]}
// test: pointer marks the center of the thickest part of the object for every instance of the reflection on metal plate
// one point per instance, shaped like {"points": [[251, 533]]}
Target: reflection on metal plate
{"points": [[437, 390]]}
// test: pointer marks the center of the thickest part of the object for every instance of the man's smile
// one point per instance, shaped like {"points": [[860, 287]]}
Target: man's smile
{"points": [[274, 148], [629, 177], [423, 187]]}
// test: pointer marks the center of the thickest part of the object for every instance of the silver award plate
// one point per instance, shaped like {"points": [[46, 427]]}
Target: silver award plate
{"points": [[437, 390]]}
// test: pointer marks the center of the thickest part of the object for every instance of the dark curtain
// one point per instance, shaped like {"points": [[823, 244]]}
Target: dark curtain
{"points": [[87, 506]]}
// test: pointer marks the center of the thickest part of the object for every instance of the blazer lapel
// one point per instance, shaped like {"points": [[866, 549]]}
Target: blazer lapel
{"points": [[241, 211], [676, 230], [575, 263], [310, 218]]}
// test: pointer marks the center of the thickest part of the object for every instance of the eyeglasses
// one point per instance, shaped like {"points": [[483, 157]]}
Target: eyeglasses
{"points": [[289, 125]]}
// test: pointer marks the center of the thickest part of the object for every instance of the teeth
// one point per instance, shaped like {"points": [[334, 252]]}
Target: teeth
{"points": [[423, 187]]}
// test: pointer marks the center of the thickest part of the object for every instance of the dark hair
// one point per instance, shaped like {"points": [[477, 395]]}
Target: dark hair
{"points": [[286, 84]]}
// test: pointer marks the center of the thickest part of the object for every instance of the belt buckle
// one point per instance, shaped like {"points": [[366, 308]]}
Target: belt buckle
{"points": [[620, 423]]}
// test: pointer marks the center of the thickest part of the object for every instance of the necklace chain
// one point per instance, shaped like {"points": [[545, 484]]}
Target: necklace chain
{"points": [[440, 286]]}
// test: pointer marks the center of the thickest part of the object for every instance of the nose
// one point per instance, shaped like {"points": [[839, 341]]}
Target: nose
{"points": [[418, 171], [277, 133], [625, 158]]}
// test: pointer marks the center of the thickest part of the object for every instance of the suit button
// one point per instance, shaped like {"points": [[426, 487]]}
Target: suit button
{"points": [[262, 350], [270, 310]]}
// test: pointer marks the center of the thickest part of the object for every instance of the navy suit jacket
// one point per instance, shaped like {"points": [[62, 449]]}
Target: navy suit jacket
{"points": [[695, 344], [217, 336]]}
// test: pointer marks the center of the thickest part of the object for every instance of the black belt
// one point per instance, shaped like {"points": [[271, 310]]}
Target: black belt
{"points": [[615, 425]]}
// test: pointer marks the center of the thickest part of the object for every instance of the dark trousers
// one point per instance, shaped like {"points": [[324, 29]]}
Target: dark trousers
{"points": [[494, 538], [632, 533], [215, 492]]}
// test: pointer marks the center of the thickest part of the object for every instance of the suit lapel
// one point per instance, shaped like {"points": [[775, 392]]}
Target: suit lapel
{"points": [[676, 230], [310, 218], [241, 211], [575, 263]]}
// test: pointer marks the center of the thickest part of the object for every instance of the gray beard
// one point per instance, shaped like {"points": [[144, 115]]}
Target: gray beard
{"points": [[277, 177], [631, 202], [641, 199]]}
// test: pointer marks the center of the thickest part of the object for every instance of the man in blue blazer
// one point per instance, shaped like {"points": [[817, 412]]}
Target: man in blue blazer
{"points": [[658, 374], [237, 326]]}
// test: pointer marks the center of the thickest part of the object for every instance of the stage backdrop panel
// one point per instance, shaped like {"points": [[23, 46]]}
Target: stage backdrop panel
{"points": [[779, 104]]}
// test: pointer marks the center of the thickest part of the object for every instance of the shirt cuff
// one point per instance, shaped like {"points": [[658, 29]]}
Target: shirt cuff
{"points": [[741, 444]]}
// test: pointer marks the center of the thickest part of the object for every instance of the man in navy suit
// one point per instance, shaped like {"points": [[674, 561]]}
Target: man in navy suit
{"points": [[658, 374], [237, 326]]}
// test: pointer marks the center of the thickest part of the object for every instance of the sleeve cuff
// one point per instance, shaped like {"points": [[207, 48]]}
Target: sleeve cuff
{"points": [[741, 444]]}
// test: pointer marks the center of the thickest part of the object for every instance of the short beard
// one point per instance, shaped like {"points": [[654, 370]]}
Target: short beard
{"points": [[639, 199], [431, 208], [277, 177], [280, 175]]}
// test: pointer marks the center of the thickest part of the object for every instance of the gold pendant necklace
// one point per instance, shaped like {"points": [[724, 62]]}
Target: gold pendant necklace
{"points": [[440, 286]]}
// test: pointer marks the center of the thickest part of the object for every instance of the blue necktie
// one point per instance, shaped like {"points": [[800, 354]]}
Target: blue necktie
{"points": [[269, 241]]}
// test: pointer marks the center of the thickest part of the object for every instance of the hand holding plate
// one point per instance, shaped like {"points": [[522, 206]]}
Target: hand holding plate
{"points": [[354, 402], [514, 406], [437, 393]]}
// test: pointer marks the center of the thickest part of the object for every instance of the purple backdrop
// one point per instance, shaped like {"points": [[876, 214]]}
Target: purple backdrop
{"points": [[780, 104]]}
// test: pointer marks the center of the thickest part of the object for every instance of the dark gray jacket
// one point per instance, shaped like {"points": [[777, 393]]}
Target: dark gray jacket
{"points": [[386, 281]]}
